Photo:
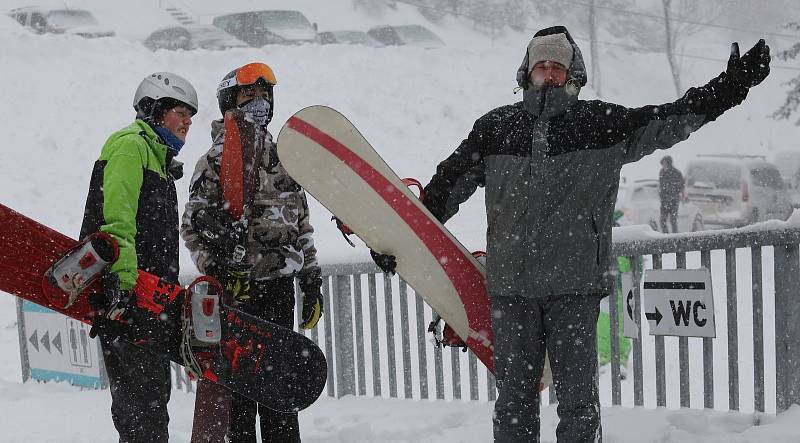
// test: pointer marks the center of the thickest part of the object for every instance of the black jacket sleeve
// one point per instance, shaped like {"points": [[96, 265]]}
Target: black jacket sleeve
{"points": [[662, 126], [458, 175]]}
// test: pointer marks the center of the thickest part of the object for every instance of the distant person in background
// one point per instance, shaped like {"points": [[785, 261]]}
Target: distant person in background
{"points": [[670, 192]]}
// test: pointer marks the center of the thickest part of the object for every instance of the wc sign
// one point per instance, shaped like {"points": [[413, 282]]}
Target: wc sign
{"points": [[679, 302]]}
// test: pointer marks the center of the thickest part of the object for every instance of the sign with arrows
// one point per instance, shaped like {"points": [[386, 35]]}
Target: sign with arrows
{"points": [[679, 302], [59, 348]]}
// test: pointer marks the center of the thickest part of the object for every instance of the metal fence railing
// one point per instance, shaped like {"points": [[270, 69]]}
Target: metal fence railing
{"points": [[374, 332]]}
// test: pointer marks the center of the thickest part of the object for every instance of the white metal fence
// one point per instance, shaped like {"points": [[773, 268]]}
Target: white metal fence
{"points": [[374, 333]]}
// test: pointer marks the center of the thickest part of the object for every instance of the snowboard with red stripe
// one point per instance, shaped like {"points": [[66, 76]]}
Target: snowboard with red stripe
{"points": [[275, 366], [329, 158]]}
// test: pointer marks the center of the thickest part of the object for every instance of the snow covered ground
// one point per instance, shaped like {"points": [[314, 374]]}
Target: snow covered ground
{"points": [[62, 96]]}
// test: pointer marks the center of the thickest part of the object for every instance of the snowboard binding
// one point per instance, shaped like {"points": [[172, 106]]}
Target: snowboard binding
{"points": [[201, 321], [79, 268], [445, 336]]}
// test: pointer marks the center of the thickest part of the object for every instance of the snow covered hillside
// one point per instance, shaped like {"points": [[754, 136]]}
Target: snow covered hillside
{"points": [[63, 95]]}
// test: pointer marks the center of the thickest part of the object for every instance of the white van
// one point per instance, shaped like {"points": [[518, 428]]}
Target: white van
{"points": [[788, 164], [736, 190]]}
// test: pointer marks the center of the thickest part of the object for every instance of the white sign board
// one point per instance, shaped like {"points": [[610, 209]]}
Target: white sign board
{"points": [[59, 348], [679, 302]]}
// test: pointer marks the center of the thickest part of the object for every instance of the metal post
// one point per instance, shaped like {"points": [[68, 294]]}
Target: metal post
{"points": [[473, 376], [787, 326], [613, 313], [406, 340], [326, 300], [733, 335], [438, 372], [638, 371], [298, 307], [176, 369], [455, 362], [23, 345], [373, 335], [683, 349], [359, 319], [708, 350], [390, 350], [343, 312], [758, 331], [491, 386], [422, 348], [661, 363]]}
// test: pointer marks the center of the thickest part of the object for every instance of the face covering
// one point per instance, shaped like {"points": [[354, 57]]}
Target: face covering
{"points": [[258, 109]]}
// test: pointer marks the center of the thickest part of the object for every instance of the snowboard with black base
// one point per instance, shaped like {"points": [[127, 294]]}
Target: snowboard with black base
{"points": [[270, 364], [212, 405]]}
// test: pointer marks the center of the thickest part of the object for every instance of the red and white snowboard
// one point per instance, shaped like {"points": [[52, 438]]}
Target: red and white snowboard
{"points": [[329, 158]]}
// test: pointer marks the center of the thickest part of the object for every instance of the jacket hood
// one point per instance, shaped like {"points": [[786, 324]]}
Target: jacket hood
{"points": [[549, 101], [217, 128]]}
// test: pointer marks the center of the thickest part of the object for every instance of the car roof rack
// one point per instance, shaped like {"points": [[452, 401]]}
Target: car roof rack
{"points": [[742, 156]]}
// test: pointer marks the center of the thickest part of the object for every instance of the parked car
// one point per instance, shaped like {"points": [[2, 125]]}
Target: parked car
{"points": [[737, 190], [411, 35], [192, 37], [788, 164], [640, 204], [348, 37], [259, 28], [60, 21]]}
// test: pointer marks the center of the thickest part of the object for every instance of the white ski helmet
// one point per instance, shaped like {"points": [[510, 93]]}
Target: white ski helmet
{"points": [[163, 85]]}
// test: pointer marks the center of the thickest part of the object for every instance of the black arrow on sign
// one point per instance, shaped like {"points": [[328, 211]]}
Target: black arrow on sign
{"points": [[654, 316], [57, 343], [46, 341], [34, 340]]}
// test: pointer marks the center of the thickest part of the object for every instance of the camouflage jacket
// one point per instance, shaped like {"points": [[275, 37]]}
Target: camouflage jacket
{"points": [[280, 242]]}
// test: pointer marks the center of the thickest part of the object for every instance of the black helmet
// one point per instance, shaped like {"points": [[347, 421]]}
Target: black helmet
{"points": [[666, 160], [250, 74]]}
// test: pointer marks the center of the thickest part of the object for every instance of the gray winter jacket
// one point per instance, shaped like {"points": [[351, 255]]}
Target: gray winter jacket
{"points": [[551, 167], [280, 242]]}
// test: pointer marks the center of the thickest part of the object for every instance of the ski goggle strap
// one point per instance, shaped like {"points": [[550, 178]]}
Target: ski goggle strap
{"points": [[249, 74]]}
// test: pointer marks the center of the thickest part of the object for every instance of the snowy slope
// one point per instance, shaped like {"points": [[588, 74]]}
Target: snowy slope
{"points": [[62, 96]]}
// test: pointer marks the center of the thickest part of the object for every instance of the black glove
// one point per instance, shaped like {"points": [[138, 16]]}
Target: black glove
{"points": [[312, 308], [310, 283], [218, 230], [112, 308], [235, 278], [386, 262], [750, 69]]}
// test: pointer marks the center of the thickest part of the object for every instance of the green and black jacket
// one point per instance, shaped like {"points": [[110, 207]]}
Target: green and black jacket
{"points": [[132, 197]]}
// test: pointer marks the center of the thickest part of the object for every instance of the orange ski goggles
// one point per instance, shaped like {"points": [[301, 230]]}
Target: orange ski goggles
{"points": [[249, 74]]}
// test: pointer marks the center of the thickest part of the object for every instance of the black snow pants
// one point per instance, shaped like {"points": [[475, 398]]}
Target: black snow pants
{"points": [[273, 300], [566, 327], [669, 213], [140, 386]]}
